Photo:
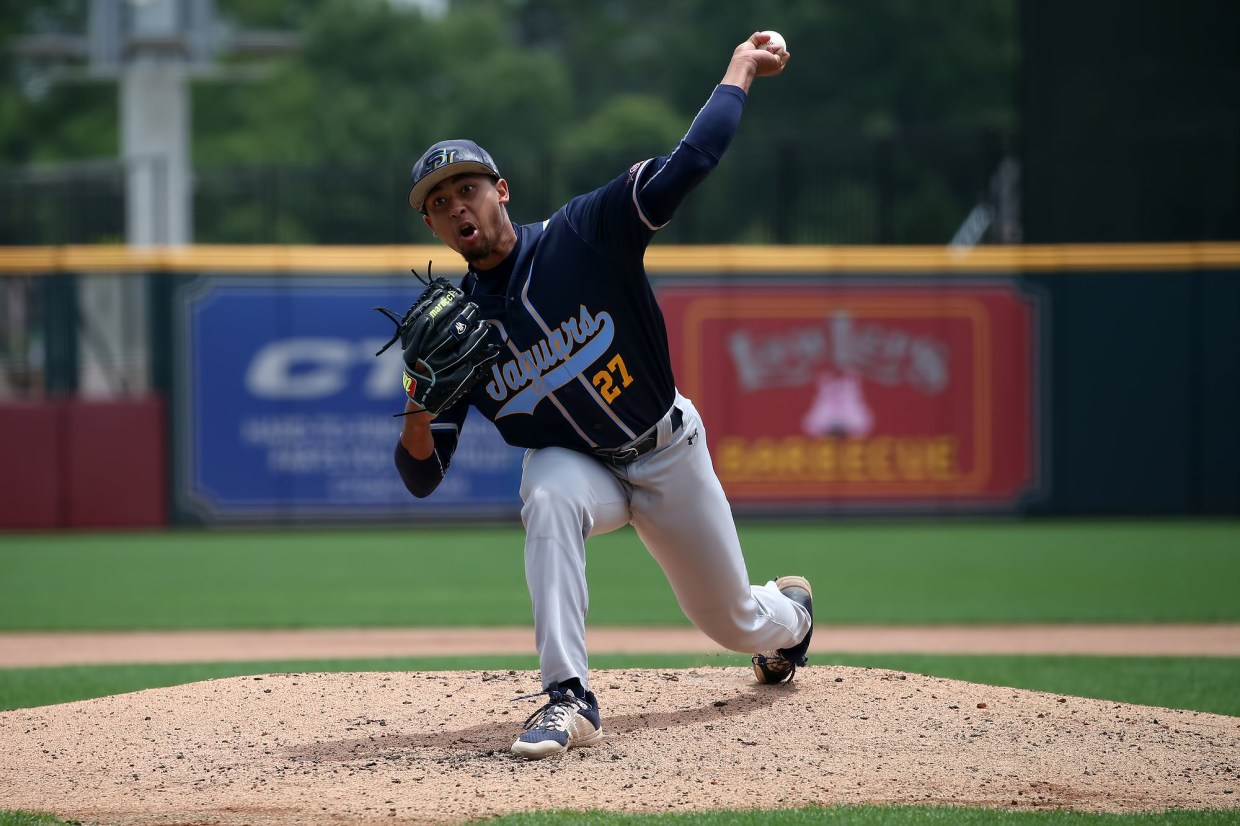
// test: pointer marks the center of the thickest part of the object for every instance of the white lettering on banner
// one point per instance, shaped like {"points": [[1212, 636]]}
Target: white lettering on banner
{"points": [[307, 444], [882, 354], [316, 368], [326, 459], [371, 490]]}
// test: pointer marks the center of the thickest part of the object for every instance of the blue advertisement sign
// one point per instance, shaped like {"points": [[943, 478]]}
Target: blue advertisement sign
{"points": [[284, 412]]}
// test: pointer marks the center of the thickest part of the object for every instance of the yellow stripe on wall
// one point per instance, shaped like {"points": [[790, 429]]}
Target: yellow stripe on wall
{"points": [[706, 259]]}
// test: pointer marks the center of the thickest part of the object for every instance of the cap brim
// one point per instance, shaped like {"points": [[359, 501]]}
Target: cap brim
{"points": [[417, 193]]}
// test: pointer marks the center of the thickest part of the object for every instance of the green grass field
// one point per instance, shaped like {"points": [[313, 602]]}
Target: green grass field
{"points": [[1199, 684], [1173, 571], [835, 816], [888, 573]]}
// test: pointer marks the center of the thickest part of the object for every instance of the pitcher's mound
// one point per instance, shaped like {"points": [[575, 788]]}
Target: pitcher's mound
{"points": [[433, 747]]}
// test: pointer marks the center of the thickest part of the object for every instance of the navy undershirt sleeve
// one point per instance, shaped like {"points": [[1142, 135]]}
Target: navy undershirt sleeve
{"points": [[667, 181], [422, 476]]}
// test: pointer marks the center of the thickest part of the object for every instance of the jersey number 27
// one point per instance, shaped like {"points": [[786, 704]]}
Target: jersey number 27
{"points": [[605, 380]]}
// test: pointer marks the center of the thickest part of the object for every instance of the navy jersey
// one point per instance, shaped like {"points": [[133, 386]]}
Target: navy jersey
{"points": [[584, 362]]}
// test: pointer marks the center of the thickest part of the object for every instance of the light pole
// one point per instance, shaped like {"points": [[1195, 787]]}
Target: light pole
{"points": [[152, 49]]}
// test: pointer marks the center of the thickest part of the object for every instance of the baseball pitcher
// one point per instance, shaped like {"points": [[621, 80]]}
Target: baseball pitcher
{"points": [[556, 337]]}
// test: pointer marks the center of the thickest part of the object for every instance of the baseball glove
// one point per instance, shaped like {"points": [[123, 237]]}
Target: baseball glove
{"points": [[445, 345]]}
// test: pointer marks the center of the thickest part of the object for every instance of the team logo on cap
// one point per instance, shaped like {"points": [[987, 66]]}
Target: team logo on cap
{"points": [[440, 158]]}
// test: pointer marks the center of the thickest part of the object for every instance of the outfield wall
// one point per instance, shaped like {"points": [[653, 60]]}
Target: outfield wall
{"points": [[1055, 380]]}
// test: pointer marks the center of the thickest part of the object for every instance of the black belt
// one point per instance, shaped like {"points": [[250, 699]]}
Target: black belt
{"points": [[631, 453]]}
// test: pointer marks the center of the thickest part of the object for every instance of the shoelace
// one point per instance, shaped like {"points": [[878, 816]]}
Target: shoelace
{"points": [[778, 662], [555, 714]]}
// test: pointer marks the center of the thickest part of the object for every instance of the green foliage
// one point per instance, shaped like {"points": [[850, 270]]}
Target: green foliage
{"points": [[626, 129], [74, 122], [377, 80], [266, 14], [42, 120], [566, 95]]}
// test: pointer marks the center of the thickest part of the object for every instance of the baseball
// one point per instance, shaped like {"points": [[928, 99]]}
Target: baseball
{"points": [[776, 43]]}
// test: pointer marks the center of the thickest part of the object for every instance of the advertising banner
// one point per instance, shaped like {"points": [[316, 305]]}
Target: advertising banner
{"points": [[284, 412], [861, 395]]}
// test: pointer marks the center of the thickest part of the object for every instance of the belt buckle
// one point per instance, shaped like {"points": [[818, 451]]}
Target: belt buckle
{"points": [[625, 455]]}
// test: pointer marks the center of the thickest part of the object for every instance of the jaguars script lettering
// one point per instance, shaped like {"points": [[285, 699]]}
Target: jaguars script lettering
{"points": [[551, 363]]}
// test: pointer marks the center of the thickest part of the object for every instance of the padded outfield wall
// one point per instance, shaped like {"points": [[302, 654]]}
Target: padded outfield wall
{"points": [[1035, 380]]}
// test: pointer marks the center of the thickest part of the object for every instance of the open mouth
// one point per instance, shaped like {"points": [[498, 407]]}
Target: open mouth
{"points": [[466, 230]]}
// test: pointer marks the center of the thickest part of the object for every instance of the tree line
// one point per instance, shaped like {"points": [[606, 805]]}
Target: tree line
{"points": [[886, 127]]}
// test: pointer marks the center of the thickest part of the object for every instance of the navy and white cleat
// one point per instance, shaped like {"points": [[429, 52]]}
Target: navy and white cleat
{"points": [[778, 666], [565, 722]]}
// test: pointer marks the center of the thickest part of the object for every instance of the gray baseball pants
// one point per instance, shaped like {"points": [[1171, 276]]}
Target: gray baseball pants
{"points": [[677, 505]]}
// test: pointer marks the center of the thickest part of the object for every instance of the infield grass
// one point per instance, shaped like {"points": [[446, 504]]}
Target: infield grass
{"points": [[855, 816], [932, 572], [1199, 684], [868, 816], [11, 818]]}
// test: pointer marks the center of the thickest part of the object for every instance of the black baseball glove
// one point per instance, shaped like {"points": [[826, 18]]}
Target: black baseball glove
{"points": [[445, 345]]}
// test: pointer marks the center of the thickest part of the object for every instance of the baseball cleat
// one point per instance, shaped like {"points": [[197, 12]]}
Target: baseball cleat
{"points": [[565, 722], [778, 666]]}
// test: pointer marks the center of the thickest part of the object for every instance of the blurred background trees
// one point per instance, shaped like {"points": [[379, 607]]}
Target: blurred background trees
{"points": [[887, 126], [890, 125]]}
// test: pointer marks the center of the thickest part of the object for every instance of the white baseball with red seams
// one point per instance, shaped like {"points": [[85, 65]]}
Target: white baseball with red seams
{"points": [[776, 43]]}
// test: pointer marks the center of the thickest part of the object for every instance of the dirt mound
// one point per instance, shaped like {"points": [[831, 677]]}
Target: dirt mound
{"points": [[433, 747]]}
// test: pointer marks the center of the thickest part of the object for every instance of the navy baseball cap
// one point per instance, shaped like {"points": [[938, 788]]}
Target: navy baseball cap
{"points": [[443, 160]]}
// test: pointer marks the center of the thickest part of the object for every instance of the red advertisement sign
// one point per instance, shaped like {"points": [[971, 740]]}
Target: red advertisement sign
{"points": [[867, 394]]}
